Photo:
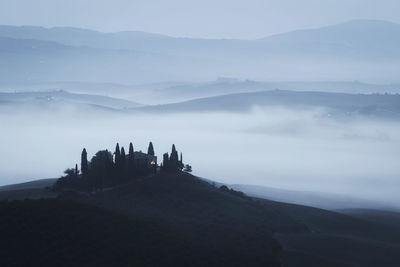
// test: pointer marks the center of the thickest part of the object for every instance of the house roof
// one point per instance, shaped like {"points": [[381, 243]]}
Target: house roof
{"points": [[141, 155]]}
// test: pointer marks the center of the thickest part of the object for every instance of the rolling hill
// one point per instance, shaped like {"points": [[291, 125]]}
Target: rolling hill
{"points": [[35, 184], [51, 232], [356, 50], [353, 38], [60, 98], [187, 214], [320, 200], [224, 86], [374, 215], [337, 104], [357, 39]]}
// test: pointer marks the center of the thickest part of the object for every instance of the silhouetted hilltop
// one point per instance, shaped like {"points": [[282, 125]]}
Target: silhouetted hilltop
{"points": [[249, 228], [159, 215]]}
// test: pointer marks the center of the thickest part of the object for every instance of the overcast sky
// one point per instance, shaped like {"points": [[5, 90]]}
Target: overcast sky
{"points": [[245, 19]]}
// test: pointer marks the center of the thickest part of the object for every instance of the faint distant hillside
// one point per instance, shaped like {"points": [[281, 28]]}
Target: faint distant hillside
{"points": [[313, 199], [83, 37], [58, 99], [369, 38], [336, 104], [223, 86], [357, 50], [357, 39]]}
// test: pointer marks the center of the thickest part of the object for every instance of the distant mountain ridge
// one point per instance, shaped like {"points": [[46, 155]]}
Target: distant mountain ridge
{"points": [[356, 50], [365, 34], [363, 26], [76, 36], [349, 30]]}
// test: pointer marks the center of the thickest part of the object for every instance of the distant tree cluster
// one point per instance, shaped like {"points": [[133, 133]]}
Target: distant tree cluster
{"points": [[107, 169], [172, 163]]}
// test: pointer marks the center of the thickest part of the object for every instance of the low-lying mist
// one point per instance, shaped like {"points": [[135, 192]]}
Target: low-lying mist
{"points": [[274, 147]]}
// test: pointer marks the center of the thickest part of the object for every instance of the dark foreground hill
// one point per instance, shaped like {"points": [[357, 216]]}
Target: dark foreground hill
{"points": [[173, 219], [64, 233], [382, 216]]}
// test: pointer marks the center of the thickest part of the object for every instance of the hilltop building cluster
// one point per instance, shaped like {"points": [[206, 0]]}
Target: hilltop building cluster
{"points": [[107, 169]]}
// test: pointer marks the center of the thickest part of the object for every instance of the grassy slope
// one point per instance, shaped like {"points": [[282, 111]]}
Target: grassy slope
{"points": [[380, 216], [65, 233], [190, 208], [233, 229], [37, 184], [195, 209], [339, 238]]}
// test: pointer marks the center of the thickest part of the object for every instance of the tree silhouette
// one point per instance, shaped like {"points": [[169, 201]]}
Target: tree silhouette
{"points": [[117, 155], [123, 160], [187, 168], [165, 163], [173, 160], [150, 150], [76, 170], [108, 169], [181, 165], [131, 160], [101, 169], [69, 173], [84, 162]]}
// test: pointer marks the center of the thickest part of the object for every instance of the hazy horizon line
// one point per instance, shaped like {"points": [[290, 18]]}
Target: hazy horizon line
{"points": [[200, 38]]}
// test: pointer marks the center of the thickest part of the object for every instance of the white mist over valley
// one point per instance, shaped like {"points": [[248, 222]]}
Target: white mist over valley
{"points": [[309, 110]]}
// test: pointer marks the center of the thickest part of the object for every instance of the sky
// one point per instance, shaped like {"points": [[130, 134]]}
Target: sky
{"points": [[240, 19]]}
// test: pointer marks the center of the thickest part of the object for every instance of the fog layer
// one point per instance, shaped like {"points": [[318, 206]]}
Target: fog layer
{"points": [[276, 147]]}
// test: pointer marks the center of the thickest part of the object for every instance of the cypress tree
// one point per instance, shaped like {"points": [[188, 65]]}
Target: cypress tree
{"points": [[131, 152], [117, 163], [131, 159], [150, 150], [108, 168], [123, 160], [173, 160], [181, 165], [76, 170], [165, 162], [84, 162], [117, 156]]}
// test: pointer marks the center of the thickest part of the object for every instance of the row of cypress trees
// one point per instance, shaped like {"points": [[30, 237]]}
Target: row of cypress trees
{"points": [[107, 169], [123, 164]]}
